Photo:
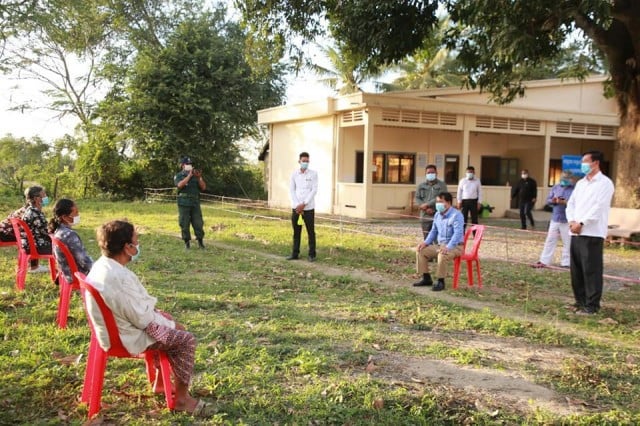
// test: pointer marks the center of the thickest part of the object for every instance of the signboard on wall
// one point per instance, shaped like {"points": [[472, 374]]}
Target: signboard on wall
{"points": [[572, 163], [438, 161], [421, 160]]}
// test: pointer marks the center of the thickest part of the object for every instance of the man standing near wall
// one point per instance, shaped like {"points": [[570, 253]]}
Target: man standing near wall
{"points": [[588, 216], [302, 190], [425, 198], [526, 191], [190, 183], [470, 196]]}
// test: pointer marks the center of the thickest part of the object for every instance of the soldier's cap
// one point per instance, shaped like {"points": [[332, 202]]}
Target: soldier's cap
{"points": [[185, 160]]}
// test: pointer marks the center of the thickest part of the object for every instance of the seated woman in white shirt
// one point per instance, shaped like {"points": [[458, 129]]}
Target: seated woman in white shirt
{"points": [[140, 324]]}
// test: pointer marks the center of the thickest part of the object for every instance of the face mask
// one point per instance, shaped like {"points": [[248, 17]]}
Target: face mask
{"points": [[76, 220], [469, 175], [440, 207], [431, 177], [564, 182], [585, 168], [524, 176], [137, 255], [304, 165], [188, 167], [45, 201]]}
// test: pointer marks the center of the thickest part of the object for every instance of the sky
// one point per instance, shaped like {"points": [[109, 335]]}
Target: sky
{"points": [[44, 123]]}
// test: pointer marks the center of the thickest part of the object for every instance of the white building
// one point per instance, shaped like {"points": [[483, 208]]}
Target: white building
{"points": [[370, 150]]}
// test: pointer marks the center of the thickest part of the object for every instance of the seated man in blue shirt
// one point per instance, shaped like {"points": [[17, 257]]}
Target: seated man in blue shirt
{"points": [[448, 232]]}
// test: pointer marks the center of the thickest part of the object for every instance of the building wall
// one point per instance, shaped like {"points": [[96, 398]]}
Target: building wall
{"points": [[573, 96], [288, 141]]}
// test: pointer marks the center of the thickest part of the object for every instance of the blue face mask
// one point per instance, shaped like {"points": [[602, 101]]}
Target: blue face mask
{"points": [[564, 182], [137, 255], [430, 177], [304, 165], [585, 168], [440, 207], [45, 201]]}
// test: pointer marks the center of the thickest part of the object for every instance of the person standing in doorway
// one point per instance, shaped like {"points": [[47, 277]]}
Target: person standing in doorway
{"points": [[588, 216], [190, 183], [526, 191], [470, 196], [425, 198], [558, 227], [302, 189]]}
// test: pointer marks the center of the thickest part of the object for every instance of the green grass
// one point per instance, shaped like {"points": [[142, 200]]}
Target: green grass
{"points": [[290, 343]]}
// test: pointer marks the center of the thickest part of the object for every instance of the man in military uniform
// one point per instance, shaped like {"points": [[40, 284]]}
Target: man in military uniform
{"points": [[425, 198], [190, 183]]}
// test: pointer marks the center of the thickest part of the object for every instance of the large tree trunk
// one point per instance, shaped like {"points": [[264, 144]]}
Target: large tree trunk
{"points": [[627, 178]]}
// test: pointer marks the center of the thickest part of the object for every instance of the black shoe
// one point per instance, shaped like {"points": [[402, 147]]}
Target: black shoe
{"points": [[187, 245], [312, 258], [425, 281], [439, 285], [200, 243], [292, 257]]}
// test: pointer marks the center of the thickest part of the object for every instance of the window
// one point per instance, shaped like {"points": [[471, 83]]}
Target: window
{"points": [[388, 167], [451, 169], [555, 171]]}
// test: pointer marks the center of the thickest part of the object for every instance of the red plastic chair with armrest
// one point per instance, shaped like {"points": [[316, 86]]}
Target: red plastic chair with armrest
{"points": [[470, 257], [65, 286], [97, 357], [19, 227]]}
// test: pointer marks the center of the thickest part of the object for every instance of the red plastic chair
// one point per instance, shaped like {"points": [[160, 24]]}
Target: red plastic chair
{"points": [[65, 287], [19, 227], [469, 257], [97, 357], [8, 243]]}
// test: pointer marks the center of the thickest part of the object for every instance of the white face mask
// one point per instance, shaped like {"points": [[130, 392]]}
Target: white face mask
{"points": [[76, 220], [524, 176], [469, 175], [188, 167]]}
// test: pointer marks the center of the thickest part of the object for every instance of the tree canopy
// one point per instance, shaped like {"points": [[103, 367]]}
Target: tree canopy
{"points": [[494, 40]]}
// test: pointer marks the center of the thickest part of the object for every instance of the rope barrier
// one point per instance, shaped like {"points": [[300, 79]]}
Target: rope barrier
{"points": [[503, 240]]}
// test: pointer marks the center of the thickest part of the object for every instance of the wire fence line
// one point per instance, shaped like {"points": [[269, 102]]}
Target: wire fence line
{"points": [[500, 243]]}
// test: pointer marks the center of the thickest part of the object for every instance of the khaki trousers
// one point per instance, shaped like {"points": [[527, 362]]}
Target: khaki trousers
{"points": [[432, 251]]}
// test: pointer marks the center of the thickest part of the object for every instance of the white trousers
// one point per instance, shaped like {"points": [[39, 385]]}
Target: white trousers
{"points": [[556, 229]]}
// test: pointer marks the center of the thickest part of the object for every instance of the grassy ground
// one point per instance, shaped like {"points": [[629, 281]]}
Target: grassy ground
{"points": [[344, 340]]}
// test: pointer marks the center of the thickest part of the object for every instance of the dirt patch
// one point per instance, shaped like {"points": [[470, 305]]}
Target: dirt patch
{"points": [[496, 382]]}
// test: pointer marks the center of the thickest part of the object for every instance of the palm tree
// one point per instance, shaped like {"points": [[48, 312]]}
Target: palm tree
{"points": [[346, 72]]}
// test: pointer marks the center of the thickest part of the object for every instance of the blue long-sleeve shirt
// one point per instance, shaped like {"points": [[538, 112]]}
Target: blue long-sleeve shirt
{"points": [[558, 213], [448, 228]]}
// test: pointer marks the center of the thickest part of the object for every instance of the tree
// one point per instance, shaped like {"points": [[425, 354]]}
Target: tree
{"points": [[345, 74], [494, 40], [196, 96]]}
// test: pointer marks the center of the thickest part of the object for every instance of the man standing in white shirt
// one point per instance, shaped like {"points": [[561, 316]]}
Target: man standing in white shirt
{"points": [[470, 196], [588, 216], [303, 189]]}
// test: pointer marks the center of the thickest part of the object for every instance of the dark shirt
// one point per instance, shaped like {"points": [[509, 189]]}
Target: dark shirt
{"points": [[525, 190], [426, 192], [190, 194], [6, 229], [73, 242], [37, 223]]}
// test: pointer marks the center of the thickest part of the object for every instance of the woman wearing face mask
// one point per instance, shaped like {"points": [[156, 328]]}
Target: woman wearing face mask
{"points": [[65, 215], [36, 198], [141, 326]]}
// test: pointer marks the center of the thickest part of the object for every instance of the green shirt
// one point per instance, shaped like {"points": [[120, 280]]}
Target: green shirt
{"points": [[190, 194]]}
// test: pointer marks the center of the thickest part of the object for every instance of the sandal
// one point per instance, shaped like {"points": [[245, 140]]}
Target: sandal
{"points": [[204, 409], [538, 265]]}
